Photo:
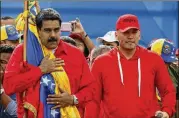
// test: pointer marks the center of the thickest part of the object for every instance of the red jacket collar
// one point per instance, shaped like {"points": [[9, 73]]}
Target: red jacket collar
{"points": [[61, 48]]}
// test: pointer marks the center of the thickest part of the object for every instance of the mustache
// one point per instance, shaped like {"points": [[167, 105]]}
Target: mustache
{"points": [[52, 39], [130, 41]]}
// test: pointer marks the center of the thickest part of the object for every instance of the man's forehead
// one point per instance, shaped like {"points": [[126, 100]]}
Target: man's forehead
{"points": [[50, 24]]}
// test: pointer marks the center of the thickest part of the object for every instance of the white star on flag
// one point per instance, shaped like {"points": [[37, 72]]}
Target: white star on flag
{"points": [[53, 113], [45, 80]]}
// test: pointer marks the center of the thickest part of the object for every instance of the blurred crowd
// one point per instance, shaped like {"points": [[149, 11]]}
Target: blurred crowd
{"points": [[111, 65]]}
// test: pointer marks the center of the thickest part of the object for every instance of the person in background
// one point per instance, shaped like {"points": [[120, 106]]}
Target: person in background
{"points": [[83, 41], [8, 106], [128, 75], [166, 49], [176, 65], [69, 40], [7, 20], [80, 43], [97, 51], [109, 39], [9, 35]]}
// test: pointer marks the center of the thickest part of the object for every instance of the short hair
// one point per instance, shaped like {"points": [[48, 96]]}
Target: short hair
{"points": [[6, 48], [47, 14], [69, 40], [6, 18], [97, 51]]}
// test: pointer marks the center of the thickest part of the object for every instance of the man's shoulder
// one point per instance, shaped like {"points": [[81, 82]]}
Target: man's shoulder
{"points": [[72, 49], [148, 53], [19, 47]]}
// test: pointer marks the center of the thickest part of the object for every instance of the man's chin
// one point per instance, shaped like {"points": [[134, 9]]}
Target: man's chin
{"points": [[130, 47], [51, 47]]}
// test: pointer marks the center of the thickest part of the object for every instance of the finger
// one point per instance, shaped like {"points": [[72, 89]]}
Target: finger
{"points": [[77, 19], [58, 59], [52, 99], [54, 95], [61, 90], [57, 70], [59, 64], [54, 103], [57, 106]]}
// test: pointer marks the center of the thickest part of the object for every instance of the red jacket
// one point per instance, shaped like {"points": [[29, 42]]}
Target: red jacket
{"points": [[18, 78], [129, 91]]}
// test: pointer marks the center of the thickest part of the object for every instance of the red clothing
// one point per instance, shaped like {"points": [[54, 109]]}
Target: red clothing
{"points": [[123, 100], [18, 78]]}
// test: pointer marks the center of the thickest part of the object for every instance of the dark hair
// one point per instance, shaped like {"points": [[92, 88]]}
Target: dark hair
{"points": [[6, 18], [69, 40], [5, 48], [86, 51], [47, 14]]}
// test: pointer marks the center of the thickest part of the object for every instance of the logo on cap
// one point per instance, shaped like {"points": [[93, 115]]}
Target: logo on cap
{"points": [[166, 49], [129, 20], [11, 30]]}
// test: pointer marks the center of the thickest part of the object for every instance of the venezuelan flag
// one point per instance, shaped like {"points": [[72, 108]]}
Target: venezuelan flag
{"points": [[49, 82]]}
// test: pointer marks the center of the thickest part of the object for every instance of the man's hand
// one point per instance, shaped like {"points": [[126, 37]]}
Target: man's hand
{"points": [[160, 114], [61, 100], [50, 65], [78, 28]]}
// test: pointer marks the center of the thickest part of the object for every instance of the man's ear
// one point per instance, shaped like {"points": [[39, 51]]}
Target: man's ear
{"points": [[116, 35], [139, 35], [38, 31]]}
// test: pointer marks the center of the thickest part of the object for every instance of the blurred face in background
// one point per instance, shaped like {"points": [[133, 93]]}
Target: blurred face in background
{"points": [[13, 43], [80, 45], [111, 44], [4, 58], [7, 22], [129, 39], [49, 33]]}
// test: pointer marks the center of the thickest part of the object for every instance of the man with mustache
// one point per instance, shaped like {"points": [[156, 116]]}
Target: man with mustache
{"points": [[127, 85], [19, 78]]}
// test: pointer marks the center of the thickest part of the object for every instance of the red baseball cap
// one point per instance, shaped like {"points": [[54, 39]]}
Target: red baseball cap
{"points": [[76, 36], [126, 22]]}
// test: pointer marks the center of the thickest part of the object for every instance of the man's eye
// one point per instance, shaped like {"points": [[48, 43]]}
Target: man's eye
{"points": [[47, 30], [57, 30]]}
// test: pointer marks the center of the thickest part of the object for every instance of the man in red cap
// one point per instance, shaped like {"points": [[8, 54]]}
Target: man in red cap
{"points": [[127, 85]]}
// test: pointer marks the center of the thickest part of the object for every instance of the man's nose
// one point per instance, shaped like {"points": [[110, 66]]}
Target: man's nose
{"points": [[131, 35], [53, 34]]}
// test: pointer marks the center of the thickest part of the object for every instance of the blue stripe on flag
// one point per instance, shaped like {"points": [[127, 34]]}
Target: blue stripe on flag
{"points": [[47, 84]]}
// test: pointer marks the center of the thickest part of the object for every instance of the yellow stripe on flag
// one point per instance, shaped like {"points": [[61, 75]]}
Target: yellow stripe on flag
{"points": [[61, 79], [3, 33]]}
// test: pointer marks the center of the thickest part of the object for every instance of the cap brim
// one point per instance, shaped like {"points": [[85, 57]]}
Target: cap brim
{"points": [[100, 39], [170, 59], [127, 28], [16, 37]]}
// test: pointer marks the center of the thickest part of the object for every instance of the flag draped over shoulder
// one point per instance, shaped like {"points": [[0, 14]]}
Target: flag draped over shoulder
{"points": [[49, 83]]}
